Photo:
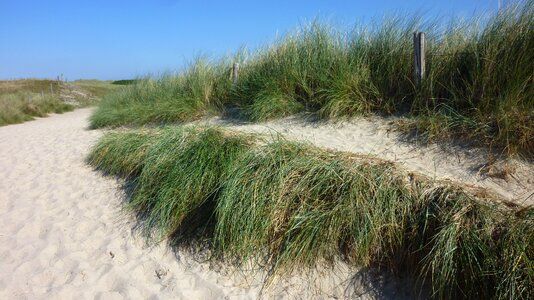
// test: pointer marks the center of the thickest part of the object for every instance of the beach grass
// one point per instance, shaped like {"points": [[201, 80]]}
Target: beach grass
{"points": [[289, 206], [479, 84], [23, 100], [24, 106], [170, 98]]}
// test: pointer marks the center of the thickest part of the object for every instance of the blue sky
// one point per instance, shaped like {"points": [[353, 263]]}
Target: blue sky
{"points": [[124, 39]]}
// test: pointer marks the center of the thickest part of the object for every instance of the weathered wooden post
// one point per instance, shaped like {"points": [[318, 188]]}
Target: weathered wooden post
{"points": [[235, 73], [51, 89], [419, 56]]}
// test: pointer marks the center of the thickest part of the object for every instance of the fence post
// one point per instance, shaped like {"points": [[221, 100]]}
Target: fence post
{"points": [[235, 73], [51, 89], [419, 56]]}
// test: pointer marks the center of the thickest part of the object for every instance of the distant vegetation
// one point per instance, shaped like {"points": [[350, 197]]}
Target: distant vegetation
{"points": [[22, 100], [124, 82], [289, 205], [479, 84], [95, 89]]}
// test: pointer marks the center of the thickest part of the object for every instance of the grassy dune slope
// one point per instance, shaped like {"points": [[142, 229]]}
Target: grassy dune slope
{"points": [[290, 205], [95, 88], [22, 100], [479, 84], [170, 98]]}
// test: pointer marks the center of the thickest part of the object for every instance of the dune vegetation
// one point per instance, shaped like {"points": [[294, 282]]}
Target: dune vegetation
{"points": [[290, 205], [22, 106], [479, 84], [22, 100]]}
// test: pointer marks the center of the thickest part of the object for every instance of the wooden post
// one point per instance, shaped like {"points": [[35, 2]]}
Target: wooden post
{"points": [[419, 56], [235, 73], [51, 89]]}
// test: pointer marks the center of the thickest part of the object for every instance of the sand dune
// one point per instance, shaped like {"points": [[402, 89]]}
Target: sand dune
{"points": [[62, 237]]}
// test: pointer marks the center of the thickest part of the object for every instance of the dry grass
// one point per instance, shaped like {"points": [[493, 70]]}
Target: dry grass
{"points": [[22, 100]]}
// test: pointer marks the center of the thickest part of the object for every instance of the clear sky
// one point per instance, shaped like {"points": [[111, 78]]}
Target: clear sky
{"points": [[123, 39]]}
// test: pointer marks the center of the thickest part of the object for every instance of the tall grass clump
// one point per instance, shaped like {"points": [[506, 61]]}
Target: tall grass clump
{"points": [[170, 98], [478, 86], [197, 159], [321, 69], [122, 154], [290, 206], [287, 77], [303, 205], [480, 82]]}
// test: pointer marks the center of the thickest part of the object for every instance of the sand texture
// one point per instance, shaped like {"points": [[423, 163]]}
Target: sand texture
{"points": [[62, 236]]}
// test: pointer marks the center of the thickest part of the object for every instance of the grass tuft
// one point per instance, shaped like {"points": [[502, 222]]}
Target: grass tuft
{"points": [[170, 98]]}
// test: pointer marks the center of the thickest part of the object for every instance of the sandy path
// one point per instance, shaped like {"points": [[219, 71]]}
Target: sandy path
{"points": [[61, 236]]}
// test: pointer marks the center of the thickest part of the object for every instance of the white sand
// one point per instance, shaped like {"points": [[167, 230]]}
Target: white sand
{"points": [[61, 236]]}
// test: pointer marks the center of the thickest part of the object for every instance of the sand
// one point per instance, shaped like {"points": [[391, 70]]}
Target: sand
{"points": [[62, 236]]}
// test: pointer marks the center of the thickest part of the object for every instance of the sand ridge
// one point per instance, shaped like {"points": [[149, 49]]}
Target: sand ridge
{"points": [[374, 136]]}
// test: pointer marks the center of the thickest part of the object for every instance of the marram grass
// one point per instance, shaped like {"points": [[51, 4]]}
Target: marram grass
{"points": [[288, 205], [479, 83], [170, 98]]}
